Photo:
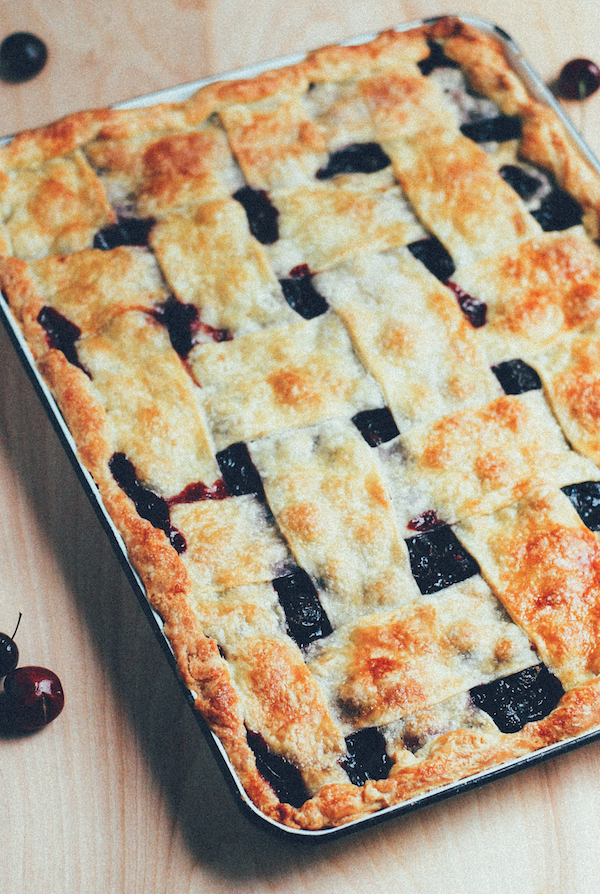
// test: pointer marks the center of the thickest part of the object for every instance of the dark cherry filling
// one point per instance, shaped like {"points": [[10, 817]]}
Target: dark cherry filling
{"points": [[127, 231], [426, 521], [524, 184], [585, 497], [499, 129], [149, 505], [183, 324], [305, 616], [434, 256], [367, 757], [301, 295], [438, 559], [282, 776], [413, 742], [61, 334], [520, 698], [180, 321], [262, 215], [474, 310], [558, 211], [516, 377], [376, 426], [154, 508], [436, 59], [357, 158], [240, 474]]}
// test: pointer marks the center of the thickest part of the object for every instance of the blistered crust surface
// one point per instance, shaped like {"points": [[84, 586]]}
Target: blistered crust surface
{"points": [[210, 260], [303, 398], [281, 378], [542, 562], [322, 225], [411, 335], [162, 172], [230, 542], [153, 409], [536, 292], [478, 460], [390, 666], [55, 208], [330, 501], [570, 371], [91, 286]]}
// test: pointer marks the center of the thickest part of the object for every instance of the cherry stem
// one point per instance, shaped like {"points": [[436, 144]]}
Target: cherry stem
{"points": [[17, 627]]}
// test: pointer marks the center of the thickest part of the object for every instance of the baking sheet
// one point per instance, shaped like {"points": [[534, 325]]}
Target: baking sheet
{"points": [[540, 92]]}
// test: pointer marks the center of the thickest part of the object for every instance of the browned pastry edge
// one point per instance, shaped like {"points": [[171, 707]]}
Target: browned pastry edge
{"points": [[25, 301], [162, 572], [35, 147], [545, 142], [454, 756], [457, 754]]}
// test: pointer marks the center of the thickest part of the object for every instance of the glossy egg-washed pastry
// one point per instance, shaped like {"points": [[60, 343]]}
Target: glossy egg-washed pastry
{"points": [[328, 341]]}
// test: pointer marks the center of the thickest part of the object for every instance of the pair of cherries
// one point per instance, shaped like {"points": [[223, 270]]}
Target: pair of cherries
{"points": [[33, 696]]}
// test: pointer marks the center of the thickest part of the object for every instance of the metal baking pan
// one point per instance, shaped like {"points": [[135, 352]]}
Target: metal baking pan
{"points": [[540, 92]]}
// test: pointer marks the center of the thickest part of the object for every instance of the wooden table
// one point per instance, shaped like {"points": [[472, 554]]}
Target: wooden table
{"points": [[121, 794]]}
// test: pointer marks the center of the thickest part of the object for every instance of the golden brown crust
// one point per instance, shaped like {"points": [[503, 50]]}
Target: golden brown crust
{"points": [[394, 657], [57, 207], [483, 60], [165, 578], [211, 261], [283, 377], [535, 292], [456, 755], [391, 665], [387, 50], [444, 183], [570, 372], [329, 499], [33, 148], [477, 460], [546, 141], [543, 563], [397, 312]]}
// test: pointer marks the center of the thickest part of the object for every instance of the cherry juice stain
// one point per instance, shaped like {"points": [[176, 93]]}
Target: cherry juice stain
{"points": [[183, 323]]}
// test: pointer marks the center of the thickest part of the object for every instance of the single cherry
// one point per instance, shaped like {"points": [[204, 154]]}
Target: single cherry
{"points": [[9, 653], [34, 697], [578, 79], [22, 57]]}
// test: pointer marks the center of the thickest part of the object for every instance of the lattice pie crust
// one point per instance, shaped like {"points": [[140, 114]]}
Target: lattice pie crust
{"points": [[328, 342]]}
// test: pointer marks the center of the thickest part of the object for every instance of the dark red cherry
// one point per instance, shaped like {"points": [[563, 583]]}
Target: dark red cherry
{"points": [[578, 79], [22, 57], [9, 653], [34, 697]]}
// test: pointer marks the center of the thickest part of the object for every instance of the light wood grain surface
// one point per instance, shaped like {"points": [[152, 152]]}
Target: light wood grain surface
{"points": [[121, 793]]}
